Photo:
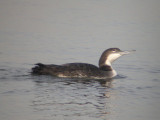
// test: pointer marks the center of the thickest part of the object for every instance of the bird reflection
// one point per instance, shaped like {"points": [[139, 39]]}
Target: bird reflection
{"points": [[76, 97], [68, 81]]}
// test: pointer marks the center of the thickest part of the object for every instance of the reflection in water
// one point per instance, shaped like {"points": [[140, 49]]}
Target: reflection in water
{"points": [[75, 97]]}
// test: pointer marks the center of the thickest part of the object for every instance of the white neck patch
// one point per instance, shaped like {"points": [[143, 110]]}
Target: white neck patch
{"points": [[111, 58]]}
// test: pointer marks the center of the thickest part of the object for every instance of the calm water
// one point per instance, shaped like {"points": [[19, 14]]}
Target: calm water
{"points": [[61, 31]]}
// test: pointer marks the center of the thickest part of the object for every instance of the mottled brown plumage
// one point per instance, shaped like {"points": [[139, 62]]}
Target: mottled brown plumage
{"points": [[83, 70]]}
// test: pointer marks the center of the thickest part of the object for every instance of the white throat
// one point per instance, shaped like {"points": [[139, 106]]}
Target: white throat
{"points": [[111, 58]]}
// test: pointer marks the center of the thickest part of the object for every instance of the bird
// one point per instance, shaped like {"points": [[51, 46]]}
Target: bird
{"points": [[83, 70]]}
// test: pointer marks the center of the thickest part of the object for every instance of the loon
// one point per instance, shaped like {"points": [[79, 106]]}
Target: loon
{"points": [[83, 70]]}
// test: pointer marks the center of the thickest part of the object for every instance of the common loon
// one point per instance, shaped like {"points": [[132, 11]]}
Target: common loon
{"points": [[83, 70]]}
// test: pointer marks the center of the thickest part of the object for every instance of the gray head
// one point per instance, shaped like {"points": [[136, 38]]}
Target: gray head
{"points": [[110, 55]]}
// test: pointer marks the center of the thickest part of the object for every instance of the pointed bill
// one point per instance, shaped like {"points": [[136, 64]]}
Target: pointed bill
{"points": [[126, 52]]}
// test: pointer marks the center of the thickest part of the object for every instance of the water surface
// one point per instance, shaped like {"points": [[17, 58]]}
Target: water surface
{"points": [[79, 31]]}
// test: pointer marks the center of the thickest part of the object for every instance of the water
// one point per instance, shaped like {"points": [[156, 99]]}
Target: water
{"points": [[79, 31]]}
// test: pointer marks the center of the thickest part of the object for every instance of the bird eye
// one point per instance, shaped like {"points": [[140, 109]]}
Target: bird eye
{"points": [[113, 50]]}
